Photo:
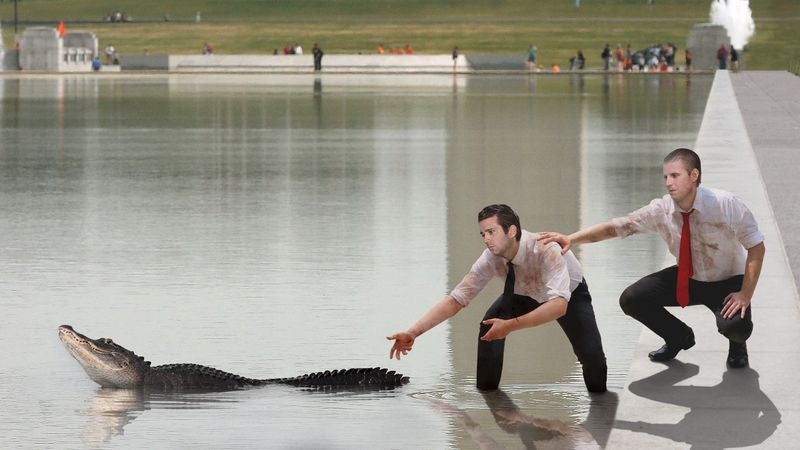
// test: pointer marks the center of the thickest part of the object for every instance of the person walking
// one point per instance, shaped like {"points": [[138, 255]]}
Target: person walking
{"points": [[719, 251], [541, 285]]}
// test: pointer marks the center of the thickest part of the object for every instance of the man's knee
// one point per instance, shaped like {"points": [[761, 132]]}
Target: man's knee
{"points": [[628, 300], [737, 330]]}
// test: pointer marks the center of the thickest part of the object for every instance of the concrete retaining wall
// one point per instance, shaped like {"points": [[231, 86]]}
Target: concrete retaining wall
{"points": [[296, 63]]}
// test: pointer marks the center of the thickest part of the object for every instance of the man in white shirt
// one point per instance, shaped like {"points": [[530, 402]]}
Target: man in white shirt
{"points": [[542, 285], [719, 253]]}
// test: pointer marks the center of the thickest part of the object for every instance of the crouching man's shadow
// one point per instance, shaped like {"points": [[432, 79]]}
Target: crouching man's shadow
{"points": [[734, 413]]}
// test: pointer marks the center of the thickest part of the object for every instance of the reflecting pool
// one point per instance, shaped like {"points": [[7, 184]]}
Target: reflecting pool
{"points": [[273, 225]]}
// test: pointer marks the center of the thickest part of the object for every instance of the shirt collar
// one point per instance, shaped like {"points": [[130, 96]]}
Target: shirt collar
{"points": [[519, 258], [697, 205]]}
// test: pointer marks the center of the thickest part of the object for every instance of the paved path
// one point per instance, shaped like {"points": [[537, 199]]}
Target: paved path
{"points": [[695, 401]]}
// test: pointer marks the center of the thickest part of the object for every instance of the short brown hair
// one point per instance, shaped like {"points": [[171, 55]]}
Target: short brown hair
{"points": [[689, 158], [505, 217]]}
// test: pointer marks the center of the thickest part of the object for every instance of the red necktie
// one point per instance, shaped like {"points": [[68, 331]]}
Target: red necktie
{"points": [[684, 262]]}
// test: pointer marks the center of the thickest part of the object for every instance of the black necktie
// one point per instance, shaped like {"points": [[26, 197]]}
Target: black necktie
{"points": [[508, 291]]}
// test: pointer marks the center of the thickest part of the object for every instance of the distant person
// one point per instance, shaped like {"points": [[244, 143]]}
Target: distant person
{"points": [[619, 57], [653, 63], [409, 50], [628, 57], [533, 54], [606, 55], [96, 64], [208, 49], [109, 51], [298, 50], [455, 57], [719, 252], [734, 58], [381, 49], [722, 57], [577, 62], [668, 54], [640, 61], [687, 56], [555, 68], [542, 285], [317, 52]]}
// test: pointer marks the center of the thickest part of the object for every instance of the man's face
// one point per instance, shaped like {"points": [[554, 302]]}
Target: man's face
{"points": [[680, 183], [498, 241]]}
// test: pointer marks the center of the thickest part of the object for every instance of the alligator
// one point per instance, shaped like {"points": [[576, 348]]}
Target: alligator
{"points": [[113, 366]]}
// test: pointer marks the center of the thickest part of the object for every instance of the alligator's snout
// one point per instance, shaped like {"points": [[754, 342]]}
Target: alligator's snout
{"points": [[65, 331]]}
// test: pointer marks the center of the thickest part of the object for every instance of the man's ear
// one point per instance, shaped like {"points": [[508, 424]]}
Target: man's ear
{"points": [[512, 230], [694, 175]]}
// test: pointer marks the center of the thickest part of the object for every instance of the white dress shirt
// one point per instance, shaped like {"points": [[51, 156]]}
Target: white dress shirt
{"points": [[540, 272], [721, 229]]}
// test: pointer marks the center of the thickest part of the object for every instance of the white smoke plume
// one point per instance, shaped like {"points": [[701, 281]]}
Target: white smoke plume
{"points": [[736, 17]]}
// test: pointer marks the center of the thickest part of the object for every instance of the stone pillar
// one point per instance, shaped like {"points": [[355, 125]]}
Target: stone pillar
{"points": [[704, 41]]}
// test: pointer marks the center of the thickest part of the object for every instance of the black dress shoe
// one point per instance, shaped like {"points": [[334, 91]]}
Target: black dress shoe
{"points": [[737, 355], [668, 352]]}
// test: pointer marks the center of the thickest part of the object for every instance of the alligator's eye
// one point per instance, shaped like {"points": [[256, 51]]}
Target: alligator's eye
{"points": [[107, 340], [124, 364]]}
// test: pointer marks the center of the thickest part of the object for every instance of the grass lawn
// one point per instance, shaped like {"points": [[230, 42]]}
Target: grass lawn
{"points": [[556, 27]]}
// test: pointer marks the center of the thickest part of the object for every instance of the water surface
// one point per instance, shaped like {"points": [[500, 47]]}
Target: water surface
{"points": [[274, 225]]}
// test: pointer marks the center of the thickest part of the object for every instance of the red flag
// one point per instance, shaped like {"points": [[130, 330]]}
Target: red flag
{"points": [[61, 29]]}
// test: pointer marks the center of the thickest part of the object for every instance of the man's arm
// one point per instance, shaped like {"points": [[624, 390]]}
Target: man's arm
{"points": [[740, 301], [404, 340], [548, 312], [594, 233]]}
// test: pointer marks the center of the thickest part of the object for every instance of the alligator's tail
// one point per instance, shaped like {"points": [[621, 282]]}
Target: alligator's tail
{"points": [[369, 378]]}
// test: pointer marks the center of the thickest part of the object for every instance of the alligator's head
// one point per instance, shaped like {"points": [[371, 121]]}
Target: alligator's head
{"points": [[106, 362]]}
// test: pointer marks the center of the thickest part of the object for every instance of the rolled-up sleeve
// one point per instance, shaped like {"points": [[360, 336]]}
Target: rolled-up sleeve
{"points": [[555, 273], [473, 282], [642, 220], [745, 226]]}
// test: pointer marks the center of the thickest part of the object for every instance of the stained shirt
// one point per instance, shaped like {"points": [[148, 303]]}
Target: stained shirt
{"points": [[540, 272], [722, 228]]}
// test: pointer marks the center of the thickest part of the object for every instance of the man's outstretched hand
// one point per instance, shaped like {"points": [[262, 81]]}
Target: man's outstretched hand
{"points": [[551, 236], [403, 341]]}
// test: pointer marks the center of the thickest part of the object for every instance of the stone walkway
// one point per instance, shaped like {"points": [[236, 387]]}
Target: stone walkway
{"points": [[748, 141]]}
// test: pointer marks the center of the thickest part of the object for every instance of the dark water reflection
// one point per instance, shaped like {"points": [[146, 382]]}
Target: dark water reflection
{"points": [[277, 225]]}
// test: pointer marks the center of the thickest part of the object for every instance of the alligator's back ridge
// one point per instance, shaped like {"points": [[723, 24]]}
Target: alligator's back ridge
{"points": [[373, 376]]}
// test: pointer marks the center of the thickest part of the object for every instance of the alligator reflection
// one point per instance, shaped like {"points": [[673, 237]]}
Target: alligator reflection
{"points": [[112, 409], [535, 432]]}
